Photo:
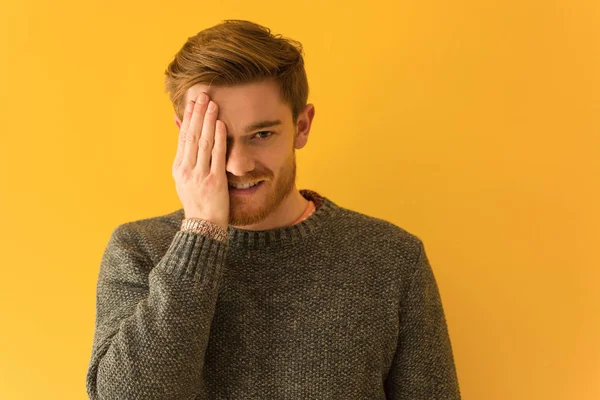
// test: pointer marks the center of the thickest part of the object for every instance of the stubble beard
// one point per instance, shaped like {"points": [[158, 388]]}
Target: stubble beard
{"points": [[246, 211]]}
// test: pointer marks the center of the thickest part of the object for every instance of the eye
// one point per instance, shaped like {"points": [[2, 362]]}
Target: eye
{"points": [[265, 138]]}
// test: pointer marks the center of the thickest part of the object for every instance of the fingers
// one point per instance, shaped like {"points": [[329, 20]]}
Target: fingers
{"points": [[207, 139], [219, 149], [193, 131], [182, 131]]}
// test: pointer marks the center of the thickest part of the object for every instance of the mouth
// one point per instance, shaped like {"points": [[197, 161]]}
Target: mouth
{"points": [[246, 189]]}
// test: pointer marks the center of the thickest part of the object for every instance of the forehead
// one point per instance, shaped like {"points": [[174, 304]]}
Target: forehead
{"points": [[247, 101]]}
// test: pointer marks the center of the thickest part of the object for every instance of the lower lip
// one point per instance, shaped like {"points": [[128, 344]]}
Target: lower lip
{"points": [[245, 192]]}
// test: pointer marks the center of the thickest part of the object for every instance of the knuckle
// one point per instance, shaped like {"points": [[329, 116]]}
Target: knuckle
{"points": [[185, 173], [189, 136], [204, 144], [217, 178]]}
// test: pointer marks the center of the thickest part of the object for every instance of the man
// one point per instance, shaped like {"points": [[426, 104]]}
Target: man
{"points": [[255, 289]]}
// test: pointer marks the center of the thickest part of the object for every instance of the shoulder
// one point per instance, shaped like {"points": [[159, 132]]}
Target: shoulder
{"points": [[379, 236]]}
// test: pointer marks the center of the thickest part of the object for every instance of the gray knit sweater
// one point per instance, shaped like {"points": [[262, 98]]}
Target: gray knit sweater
{"points": [[339, 306]]}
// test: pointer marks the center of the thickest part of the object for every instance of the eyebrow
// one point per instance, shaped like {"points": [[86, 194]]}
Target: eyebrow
{"points": [[262, 124]]}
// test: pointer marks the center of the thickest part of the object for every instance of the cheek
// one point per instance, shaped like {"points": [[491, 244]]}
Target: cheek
{"points": [[274, 154], [282, 158]]}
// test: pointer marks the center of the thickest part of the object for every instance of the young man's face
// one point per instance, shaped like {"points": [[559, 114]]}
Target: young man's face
{"points": [[266, 153]]}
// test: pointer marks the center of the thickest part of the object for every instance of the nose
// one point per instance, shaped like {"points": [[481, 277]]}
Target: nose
{"points": [[238, 160]]}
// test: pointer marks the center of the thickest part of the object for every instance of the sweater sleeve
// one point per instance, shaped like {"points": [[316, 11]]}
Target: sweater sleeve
{"points": [[153, 322], [423, 365]]}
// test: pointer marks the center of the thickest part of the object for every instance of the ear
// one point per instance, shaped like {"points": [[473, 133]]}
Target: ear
{"points": [[303, 125], [177, 121]]}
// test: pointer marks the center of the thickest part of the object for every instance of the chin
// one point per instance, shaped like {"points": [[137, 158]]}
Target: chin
{"points": [[246, 218]]}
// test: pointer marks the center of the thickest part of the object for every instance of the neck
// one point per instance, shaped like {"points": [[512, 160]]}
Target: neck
{"points": [[290, 209]]}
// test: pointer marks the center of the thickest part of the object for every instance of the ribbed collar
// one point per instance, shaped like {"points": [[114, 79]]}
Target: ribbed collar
{"points": [[284, 236]]}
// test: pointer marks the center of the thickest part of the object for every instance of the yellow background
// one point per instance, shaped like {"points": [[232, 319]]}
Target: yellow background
{"points": [[473, 124]]}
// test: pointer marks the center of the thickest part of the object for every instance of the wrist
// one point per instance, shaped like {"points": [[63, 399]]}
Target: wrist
{"points": [[203, 226]]}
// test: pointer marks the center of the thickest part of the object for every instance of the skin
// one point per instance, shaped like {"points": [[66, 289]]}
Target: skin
{"points": [[253, 156]]}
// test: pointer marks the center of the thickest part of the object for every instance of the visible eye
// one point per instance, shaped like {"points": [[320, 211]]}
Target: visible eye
{"points": [[265, 138]]}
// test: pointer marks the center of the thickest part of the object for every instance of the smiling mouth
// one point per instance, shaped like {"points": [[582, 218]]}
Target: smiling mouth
{"points": [[244, 185]]}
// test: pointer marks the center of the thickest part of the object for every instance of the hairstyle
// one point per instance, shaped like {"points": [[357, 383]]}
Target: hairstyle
{"points": [[236, 52]]}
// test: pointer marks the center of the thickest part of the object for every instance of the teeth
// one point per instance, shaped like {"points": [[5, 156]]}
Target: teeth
{"points": [[245, 186]]}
